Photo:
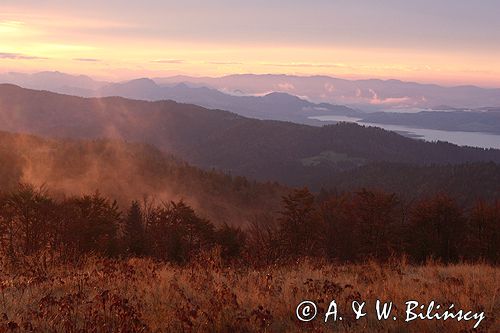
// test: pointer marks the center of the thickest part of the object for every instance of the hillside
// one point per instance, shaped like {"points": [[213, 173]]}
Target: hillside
{"points": [[131, 172], [263, 150], [466, 182]]}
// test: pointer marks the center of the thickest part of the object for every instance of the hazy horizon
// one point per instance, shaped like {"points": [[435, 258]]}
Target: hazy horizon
{"points": [[249, 166], [153, 77], [419, 42]]}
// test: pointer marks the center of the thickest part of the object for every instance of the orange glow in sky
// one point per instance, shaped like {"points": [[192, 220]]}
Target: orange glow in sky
{"points": [[122, 46]]}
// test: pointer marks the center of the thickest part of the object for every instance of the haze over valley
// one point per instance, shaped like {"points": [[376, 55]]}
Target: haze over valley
{"points": [[442, 116], [249, 166]]}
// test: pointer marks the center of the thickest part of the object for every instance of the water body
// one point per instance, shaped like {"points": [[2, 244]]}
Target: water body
{"points": [[417, 110], [473, 139]]}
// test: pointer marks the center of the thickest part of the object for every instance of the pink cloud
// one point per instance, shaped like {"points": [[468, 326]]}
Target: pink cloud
{"points": [[286, 86], [375, 100]]}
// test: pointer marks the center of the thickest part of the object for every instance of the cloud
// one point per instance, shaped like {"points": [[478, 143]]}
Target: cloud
{"points": [[286, 86], [330, 88], [223, 63], [169, 61], [19, 56], [306, 65], [86, 59], [375, 100]]}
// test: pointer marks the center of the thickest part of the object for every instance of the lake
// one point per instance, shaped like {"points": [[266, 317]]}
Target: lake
{"points": [[474, 139]]}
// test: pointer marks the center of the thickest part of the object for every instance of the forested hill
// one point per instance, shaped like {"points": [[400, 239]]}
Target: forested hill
{"points": [[131, 172], [264, 150], [465, 182]]}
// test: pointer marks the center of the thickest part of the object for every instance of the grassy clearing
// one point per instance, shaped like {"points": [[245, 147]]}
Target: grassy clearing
{"points": [[139, 295]]}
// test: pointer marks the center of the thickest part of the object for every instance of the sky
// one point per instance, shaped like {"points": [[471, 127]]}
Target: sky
{"points": [[449, 42]]}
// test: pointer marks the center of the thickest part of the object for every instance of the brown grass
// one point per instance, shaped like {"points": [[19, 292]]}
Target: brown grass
{"points": [[138, 295]]}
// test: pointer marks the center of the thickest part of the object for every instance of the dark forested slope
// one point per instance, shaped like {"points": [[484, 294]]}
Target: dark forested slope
{"points": [[466, 182], [264, 150]]}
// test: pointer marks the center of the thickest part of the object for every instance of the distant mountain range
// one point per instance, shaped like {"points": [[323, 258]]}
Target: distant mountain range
{"points": [[78, 85], [278, 102], [264, 150], [274, 105], [369, 95], [372, 94]]}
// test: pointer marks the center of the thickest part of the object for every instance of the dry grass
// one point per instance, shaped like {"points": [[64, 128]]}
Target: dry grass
{"points": [[139, 295]]}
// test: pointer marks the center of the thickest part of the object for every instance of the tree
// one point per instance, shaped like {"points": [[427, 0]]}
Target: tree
{"points": [[177, 233], [339, 233], [134, 230], [437, 228], [483, 237], [300, 228], [232, 241], [27, 219], [263, 240], [360, 225], [373, 216], [89, 224]]}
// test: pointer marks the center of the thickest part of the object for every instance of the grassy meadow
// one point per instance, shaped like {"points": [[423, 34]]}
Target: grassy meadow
{"points": [[140, 295]]}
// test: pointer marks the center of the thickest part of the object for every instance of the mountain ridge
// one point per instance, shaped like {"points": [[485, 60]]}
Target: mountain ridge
{"points": [[265, 150]]}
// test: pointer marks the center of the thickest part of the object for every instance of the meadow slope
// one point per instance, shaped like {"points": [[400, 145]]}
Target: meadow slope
{"points": [[139, 295]]}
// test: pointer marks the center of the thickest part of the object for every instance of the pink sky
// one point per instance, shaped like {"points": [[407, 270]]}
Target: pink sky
{"points": [[450, 42]]}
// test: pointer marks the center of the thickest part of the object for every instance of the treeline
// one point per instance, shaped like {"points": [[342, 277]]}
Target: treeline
{"points": [[364, 224], [346, 227], [32, 222]]}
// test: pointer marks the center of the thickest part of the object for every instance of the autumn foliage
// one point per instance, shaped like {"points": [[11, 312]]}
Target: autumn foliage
{"points": [[347, 227]]}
